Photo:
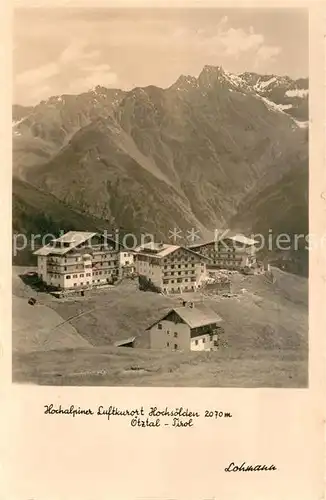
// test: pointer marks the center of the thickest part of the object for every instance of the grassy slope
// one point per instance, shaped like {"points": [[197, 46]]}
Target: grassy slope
{"points": [[36, 212], [265, 340]]}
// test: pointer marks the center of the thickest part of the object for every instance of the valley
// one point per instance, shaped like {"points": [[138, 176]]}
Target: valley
{"points": [[204, 153]]}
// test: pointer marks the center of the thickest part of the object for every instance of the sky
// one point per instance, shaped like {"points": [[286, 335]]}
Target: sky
{"points": [[67, 50]]}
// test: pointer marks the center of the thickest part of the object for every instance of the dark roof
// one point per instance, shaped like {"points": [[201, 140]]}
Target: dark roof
{"points": [[193, 316]]}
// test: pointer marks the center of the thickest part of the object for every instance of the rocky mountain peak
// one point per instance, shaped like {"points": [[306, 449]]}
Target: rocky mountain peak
{"points": [[185, 82]]}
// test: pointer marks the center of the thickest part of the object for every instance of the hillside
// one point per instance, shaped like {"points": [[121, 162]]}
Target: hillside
{"points": [[36, 212], [290, 95], [193, 151], [281, 208], [264, 344]]}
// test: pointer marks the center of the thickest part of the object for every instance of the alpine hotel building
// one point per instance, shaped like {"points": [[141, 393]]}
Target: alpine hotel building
{"points": [[81, 259], [170, 268]]}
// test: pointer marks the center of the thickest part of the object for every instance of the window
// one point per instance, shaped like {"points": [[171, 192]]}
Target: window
{"points": [[168, 332], [175, 334], [179, 280], [65, 268], [75, 284], [168, 344], [68, 277], [196, 342], [215, 343], [175, 347], [159, 326], [82, 283], [204, 340], [88, 274], [74, 276]]}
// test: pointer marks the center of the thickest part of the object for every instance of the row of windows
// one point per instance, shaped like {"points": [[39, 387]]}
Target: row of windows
{"points": [[78, 258], [179, 266], [160, 326], [81, 266], [109, 262], [76, 276], [179, 280], [87, 283], [172, 273], [196, 342], [178, 258], [68, 277], [185, 289], [204, 341], [97, 273]]}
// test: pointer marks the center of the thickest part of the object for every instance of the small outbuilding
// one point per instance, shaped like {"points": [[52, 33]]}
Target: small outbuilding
{"points": [[130, 342]]}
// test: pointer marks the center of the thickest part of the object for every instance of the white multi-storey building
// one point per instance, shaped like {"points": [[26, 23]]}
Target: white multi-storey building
{"points": [[170, 268], [187, 328], [229, 251], [80, 260]]}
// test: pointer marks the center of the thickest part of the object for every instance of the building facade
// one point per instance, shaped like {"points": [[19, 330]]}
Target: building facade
{"points": [[170, 268], [187, 328], [79, 260], [229, 252]]}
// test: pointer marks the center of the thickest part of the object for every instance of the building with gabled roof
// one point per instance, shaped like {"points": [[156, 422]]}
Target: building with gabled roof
{"points": [[189, 327], [170, 268], [81, 259], [228, 250]]}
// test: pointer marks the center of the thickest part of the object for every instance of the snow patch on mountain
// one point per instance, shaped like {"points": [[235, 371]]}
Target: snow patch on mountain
{"points": [[271, 105], [302, 124], [285, 106], [261, 85], [297, 93]]}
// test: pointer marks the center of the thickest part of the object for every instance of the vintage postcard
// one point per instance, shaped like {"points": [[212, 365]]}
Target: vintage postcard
{"points": [[168, 251]]}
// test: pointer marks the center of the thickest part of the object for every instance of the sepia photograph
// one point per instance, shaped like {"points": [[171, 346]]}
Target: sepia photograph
{"points": [[160, 197]]}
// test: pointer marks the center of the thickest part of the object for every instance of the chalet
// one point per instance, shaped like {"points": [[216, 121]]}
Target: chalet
{"points": [[80, 259], [170, 268], [187, 328], [229, 251]]}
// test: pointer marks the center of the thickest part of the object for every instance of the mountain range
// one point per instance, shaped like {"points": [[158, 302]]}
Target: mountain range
{"points": [[207, 152]]}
